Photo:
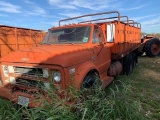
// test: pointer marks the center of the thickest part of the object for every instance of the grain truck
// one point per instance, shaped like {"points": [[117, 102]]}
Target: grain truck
{"points": [[72, 55], [18, 38]]}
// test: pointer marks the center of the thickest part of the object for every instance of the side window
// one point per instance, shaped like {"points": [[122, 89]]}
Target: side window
{"points": [[97, 35], [110, 32]]}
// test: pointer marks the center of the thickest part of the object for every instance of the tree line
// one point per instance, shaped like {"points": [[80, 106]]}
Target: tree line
{"points": [[151, 34]]}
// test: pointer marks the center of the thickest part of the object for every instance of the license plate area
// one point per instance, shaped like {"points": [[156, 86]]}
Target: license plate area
{"points": [[24, 101]]}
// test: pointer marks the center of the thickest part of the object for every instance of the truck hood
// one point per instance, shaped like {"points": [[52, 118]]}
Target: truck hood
{"points": [[63, 55]]}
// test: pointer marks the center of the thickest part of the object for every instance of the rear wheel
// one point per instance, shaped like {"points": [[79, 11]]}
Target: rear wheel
{"points": [[133, 60], [152, 47], [127, 64]]}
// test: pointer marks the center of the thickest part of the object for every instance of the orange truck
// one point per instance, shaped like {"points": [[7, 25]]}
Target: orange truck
{"points": [[16, 38], [72, 55]]}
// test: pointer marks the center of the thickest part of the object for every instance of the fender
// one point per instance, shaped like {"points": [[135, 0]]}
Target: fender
{"points": [[82, 72]]}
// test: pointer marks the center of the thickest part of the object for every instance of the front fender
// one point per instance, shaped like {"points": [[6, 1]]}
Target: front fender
{"points": [[82, 72]]}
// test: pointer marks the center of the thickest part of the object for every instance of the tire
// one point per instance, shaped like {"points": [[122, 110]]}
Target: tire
{"points": [[152, 47], [87, 91], [127, 64], [134, 59], [90, 84], [90, 79]]}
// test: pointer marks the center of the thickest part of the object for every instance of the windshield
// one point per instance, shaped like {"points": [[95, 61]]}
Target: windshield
{"points": [[67, 35]]}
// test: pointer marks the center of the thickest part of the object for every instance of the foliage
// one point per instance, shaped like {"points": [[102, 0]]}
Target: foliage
{"points": [[151, 34]]}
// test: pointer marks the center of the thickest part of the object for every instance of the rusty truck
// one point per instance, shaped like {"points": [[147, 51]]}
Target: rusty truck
{"points": [[18, 38], [72, 55], [150, 45]]}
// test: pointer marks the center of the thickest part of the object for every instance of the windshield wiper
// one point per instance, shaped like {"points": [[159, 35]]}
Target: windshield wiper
{"points": [[71, 43], [45, 44]]}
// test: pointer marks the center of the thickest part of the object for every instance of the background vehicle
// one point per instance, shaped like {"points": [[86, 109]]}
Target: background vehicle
{"points": [[15, 38], [150, 45], [72, 55]]}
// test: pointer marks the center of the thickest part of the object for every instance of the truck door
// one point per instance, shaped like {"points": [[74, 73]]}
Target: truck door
{"points": [[101, 52]]}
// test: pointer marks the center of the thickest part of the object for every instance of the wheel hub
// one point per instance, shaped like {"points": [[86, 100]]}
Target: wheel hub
{"points": [[155, 49]]}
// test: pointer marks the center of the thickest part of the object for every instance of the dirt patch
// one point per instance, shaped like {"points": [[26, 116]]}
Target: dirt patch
{"points": [[157, 61], [152, 74]]}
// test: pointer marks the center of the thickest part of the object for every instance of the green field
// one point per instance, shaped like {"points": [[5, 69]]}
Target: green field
{"points": [[134, 97]]}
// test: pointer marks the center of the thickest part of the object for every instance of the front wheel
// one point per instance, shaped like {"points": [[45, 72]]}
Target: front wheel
{"points": [[90, 84], [90, 79]]}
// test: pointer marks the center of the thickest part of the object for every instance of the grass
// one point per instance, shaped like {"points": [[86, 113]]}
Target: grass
{"points": [[134, 97]]}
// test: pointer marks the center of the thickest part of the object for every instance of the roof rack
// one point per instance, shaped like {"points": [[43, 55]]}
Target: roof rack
{"points": [[138, 24], [102, 13], [105, 19], [90, 15], [132, 22]]}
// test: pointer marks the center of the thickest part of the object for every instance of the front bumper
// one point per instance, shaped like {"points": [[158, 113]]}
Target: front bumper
{"points": [[34, 101]]}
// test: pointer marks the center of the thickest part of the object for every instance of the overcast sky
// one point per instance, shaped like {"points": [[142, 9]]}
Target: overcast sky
{"points": [[43, 14]]}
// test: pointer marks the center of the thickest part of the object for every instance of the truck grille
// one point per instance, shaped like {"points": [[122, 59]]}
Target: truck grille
{"points": [[29, 83], [36, 72]]}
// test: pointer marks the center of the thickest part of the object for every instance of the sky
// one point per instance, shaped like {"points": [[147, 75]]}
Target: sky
{"points": [[44, 14]]}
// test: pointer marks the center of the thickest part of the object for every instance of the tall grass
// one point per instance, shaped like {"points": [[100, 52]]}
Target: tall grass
{"points": [[126, 98], [8, 111], [112, 103]]}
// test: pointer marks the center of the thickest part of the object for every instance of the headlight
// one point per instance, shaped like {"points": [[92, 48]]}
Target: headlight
{"points": [[57, 76], [5, 70], [45, 73]]}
